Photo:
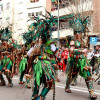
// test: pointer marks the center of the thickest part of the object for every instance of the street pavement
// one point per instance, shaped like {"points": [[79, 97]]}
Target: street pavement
{"points": [[79, 92]]}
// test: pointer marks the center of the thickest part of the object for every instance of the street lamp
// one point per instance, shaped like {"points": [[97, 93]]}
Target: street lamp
{"points": [[58, 25]]}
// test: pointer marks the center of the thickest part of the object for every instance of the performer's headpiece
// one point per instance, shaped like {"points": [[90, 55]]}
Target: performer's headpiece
{"points": [[79, 24], [41, 28]]}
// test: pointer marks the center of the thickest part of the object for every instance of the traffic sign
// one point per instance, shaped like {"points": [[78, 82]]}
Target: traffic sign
{"points": [[93, 40]]}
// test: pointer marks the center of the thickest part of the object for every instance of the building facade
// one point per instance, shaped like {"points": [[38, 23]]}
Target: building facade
{"points": [[19, 14], [96, 14], [66, 9], [6, 14]]}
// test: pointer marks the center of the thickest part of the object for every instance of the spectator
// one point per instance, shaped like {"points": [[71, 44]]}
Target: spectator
{"points": [[59, 59], [64, 58], [90, 54]]}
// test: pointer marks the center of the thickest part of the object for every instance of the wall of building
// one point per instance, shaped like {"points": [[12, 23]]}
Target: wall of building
{"points": [[82, 7], [26, 11], [19, 15], [48, 5], [85, 6], [96, 14], [5, 13]]}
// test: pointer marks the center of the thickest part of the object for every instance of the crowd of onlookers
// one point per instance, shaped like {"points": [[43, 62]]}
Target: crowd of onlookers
{"points": [[93, 56], [62, 58]]}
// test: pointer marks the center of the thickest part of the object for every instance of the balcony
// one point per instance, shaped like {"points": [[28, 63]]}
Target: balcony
{"points": [[66, 10], [63, 33], [62, 4], [35, 4], [65, 30], [33, 1]]}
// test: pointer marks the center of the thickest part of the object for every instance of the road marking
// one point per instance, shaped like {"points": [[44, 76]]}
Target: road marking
{"points": [[78, 89], [81, 89]]}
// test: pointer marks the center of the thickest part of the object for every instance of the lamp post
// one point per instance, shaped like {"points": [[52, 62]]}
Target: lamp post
{"points": [[58, 25]]}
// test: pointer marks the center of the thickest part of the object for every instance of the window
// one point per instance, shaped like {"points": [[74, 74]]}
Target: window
{"points": [[20, 16], [31, 15], [0, 21], [1, 8], [33, 1], [62, 4], [40, 13], [90, 21], [36, 13], [64, 24], [85, 1], [7, 5]]}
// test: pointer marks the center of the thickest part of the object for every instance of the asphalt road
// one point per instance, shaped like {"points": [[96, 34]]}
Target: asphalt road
{"points": [[79, 92]]}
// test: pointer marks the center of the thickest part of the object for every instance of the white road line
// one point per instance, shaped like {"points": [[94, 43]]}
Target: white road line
{"points": [[76, 87], [81, 89], [86, 91]]}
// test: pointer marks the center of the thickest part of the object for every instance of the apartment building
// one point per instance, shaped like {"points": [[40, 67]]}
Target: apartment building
{"points": [[19, 14], [96, 14], [6, 10], [66, 10]]}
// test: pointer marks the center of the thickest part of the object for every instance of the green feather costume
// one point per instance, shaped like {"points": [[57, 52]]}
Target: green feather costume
{"points": [[43, 71], [77, 61], [6, 62]]}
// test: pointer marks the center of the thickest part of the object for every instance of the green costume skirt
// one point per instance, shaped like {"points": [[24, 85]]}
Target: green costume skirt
{"points": [[9, 67], [22, 65], [43, 67], [77, 65]]}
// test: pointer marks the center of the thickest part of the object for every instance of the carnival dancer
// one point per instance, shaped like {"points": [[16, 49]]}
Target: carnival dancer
{"points": [[6, 55], [22, 70], [53, 60], [78, 62], [6, 68], [39, 57], [22, 67]]}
